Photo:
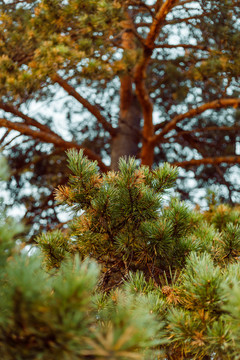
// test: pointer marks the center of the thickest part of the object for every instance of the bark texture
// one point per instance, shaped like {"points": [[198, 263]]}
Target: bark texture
{"points": [[125, 143], [147, 152]]}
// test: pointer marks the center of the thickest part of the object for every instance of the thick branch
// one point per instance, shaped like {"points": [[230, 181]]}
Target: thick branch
{"points": [[52, 139], [158, 22], [203, 130], [217, 104], [91, 108], [147, 109], [143, 96], [210, 160], [140, 70], [126, 91], [28, 120], [147, 152]]}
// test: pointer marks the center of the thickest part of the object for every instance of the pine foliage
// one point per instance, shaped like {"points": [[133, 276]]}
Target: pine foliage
{"points": [[134, 277], [57, 314]]}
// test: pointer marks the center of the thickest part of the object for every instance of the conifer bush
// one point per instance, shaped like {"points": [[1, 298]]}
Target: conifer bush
{"points": [[57, 314], [133, 277]]}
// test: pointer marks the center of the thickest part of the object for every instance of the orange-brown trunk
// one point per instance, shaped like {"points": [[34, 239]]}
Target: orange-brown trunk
{"points": [[125, 143]]}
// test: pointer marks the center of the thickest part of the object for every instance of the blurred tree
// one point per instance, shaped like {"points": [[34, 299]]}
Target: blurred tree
{"points": [[153, 79]]}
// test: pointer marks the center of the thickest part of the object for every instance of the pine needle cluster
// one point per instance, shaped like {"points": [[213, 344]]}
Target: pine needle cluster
{"points": [[135, 277]]}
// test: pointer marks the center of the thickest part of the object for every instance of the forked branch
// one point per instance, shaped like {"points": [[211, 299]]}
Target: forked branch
{"points": [[140, 76], [216, 104], [158, 21]]}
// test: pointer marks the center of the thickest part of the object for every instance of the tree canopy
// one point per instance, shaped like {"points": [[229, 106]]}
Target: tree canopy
{"points": [[158, 80]]}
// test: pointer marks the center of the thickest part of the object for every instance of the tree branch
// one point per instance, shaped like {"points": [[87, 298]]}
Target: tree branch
{"points": [[91, 108], [158, 22], [28, 120], [139, 6], [184, 46], [179, 20], [140, 69], [56, 140], [9, 142], [7, 132], [184, 2], [216, 104], [210, 160], [203, 130], [139, 79]]}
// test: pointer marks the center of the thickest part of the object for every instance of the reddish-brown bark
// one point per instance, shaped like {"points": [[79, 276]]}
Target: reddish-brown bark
{"points": [[217, 104], [203, 130], [158, 22], [147, 152], [56, 140], [27, 119], [210, 160], [125, 143]]}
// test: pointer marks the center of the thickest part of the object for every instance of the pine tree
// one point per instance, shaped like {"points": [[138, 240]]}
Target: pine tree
{"points": [[153, 79], [60, 315], [183, 263], [134, 277]]}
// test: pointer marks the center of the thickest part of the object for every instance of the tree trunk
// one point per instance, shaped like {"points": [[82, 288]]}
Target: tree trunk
{"points": [[125, 143]]}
